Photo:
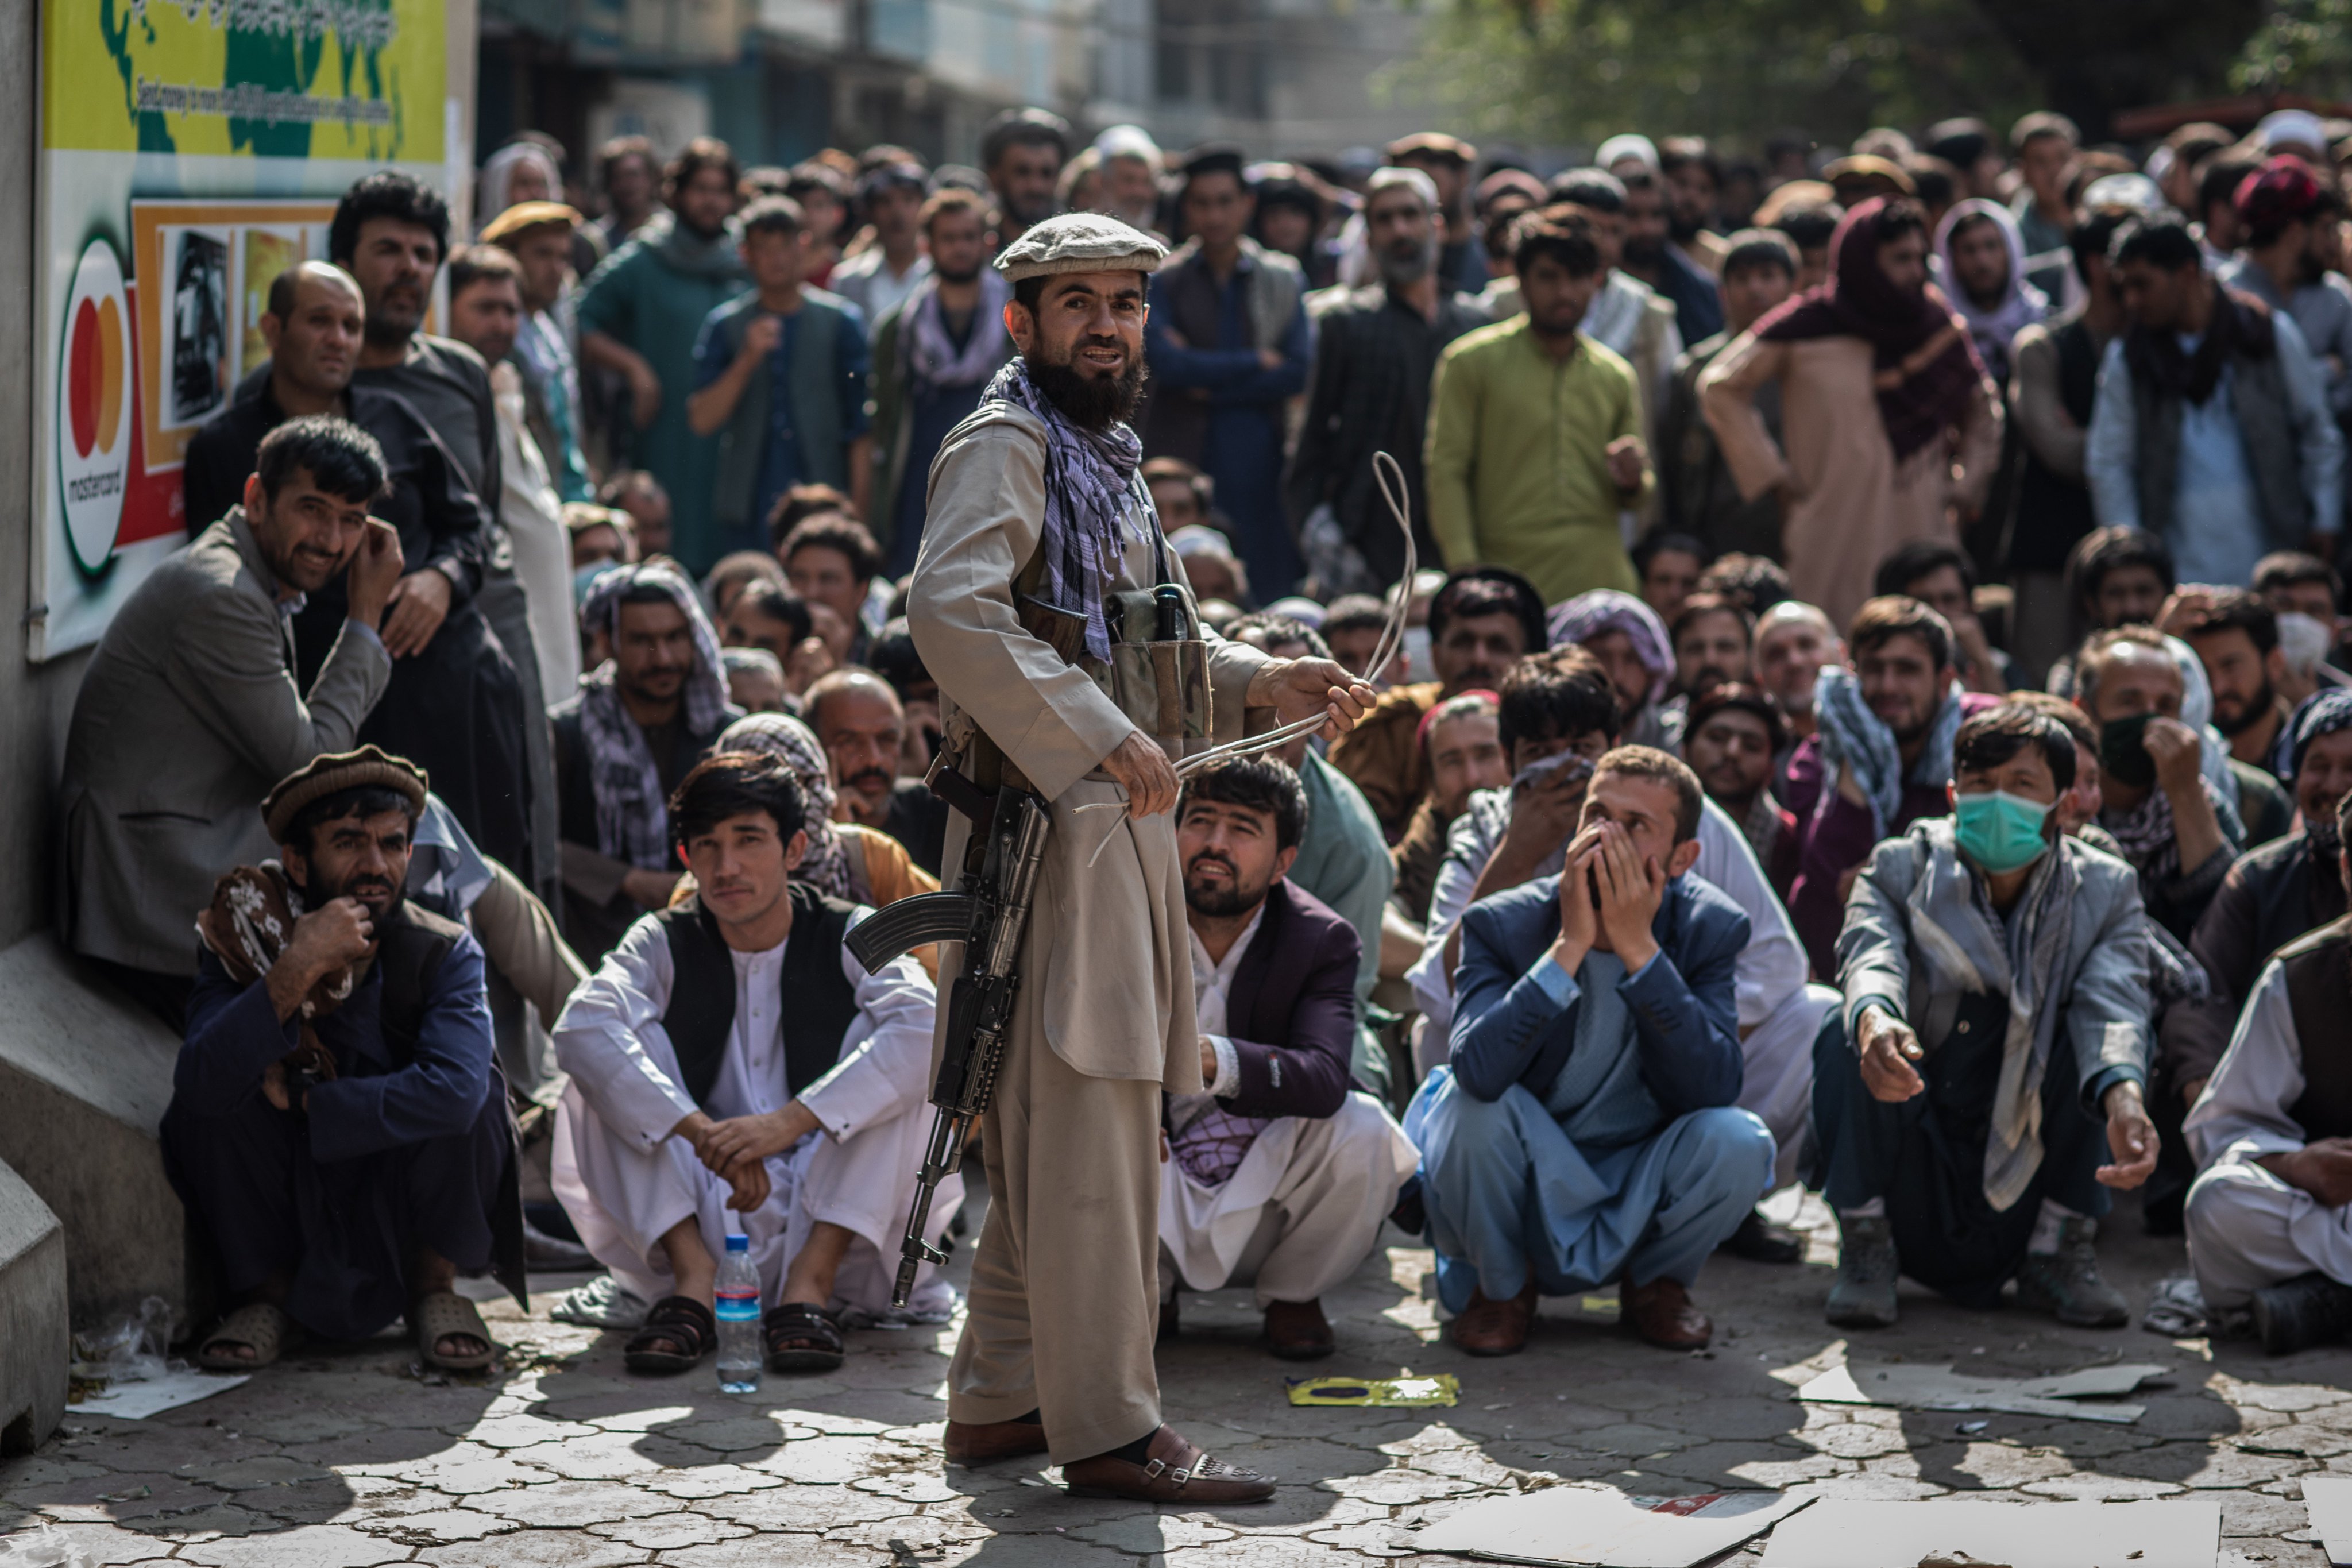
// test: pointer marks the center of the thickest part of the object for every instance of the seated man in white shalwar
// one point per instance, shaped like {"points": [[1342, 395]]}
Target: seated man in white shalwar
{"points": [[1279, 1173], [2269, 1217], [733, 1068]]}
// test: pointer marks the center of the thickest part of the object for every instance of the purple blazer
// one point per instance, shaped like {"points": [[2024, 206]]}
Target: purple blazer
{"points": [[1291, 1014]]}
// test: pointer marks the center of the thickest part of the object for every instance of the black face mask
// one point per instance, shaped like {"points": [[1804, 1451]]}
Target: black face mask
{"points": [[2124, 755]]}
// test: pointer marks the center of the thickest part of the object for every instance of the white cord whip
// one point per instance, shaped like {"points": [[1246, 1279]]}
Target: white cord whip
{"points": [[1390, 477], [1385, 469]]}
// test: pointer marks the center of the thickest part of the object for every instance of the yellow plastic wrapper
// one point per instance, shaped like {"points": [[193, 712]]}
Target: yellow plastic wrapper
{"points": [[1443, 1389]]}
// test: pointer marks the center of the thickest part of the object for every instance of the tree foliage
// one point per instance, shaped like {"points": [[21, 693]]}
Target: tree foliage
{"points": [[1565, 72], [2301, 45]]}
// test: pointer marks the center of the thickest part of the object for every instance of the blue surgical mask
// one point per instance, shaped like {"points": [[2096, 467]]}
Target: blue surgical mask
{"points": [[1998, 831], [585, 578]]}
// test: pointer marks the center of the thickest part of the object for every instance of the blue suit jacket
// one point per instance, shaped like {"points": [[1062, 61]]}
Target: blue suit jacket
{"points": [[1507, 1029]]}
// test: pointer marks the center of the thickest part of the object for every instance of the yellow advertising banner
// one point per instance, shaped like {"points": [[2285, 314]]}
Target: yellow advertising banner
{"points": [[191, 151], [264, 79]]}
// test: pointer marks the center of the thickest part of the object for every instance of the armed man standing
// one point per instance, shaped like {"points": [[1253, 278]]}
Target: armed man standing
{"points": [[1072, 666]]}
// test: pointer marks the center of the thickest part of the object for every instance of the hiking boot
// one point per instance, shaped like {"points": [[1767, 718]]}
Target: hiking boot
{"points": [[1864, 1294], [2066, 1284], [2297, 1313]]}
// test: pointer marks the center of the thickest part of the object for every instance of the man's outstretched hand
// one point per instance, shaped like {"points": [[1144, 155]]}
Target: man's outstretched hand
{"points": [[2131, 1139], [1297, 688]]}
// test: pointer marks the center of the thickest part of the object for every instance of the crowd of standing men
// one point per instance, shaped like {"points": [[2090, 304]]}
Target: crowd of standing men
{"points": [[1879, 723]]}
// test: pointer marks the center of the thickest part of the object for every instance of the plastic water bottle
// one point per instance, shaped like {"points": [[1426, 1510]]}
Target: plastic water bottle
{"points": [[741, 1356]]}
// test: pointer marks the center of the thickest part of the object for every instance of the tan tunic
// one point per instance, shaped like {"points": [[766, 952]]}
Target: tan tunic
{"points": [[1855, 504], [1106, 949], [1064, 1280]]}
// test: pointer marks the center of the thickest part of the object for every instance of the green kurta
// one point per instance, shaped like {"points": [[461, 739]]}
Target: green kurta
{"points": [[1519, 473], [643, 297]]}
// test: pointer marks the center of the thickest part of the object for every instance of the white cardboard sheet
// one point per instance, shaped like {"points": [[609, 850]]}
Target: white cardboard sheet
{"points": [[2329, 1498], [1592, 1527], [2165, 1534], [153, 1395], [1909, 1388]]}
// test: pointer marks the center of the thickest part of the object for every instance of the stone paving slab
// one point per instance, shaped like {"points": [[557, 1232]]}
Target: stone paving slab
{"points": [[355, 1456]]}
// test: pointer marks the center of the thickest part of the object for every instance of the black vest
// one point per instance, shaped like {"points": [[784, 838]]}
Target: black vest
{"points": [[2319, 987], [819, 1001], [409, 956]]}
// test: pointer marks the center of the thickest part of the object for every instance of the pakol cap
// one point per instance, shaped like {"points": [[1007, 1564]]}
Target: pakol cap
{"points": [[1079, 242], [527, 216], [333, 772]]}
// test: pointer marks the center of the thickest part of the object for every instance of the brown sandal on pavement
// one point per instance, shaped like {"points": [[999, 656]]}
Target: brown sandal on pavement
{"points": [[441, 1314], [1496, 1328], [800, 1338], [677, 1333], [1173, 1470], [259, 1327]]}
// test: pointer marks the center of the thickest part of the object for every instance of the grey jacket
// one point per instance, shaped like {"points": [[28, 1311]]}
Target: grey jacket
{"points": [[2101, 984], [187, 715]]}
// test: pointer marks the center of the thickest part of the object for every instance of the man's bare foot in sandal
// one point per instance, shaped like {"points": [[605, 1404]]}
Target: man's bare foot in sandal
{"points": [[680, 1329], [450, 1333], [799, 1333], [254, 1333]]}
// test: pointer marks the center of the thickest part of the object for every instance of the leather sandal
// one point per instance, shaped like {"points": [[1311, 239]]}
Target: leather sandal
{"points": [[259, 1327], [1496, 1328], [1662, 1313], [1173, 1470], [679, 1331], [439, 1314], [1297, 1330], [800, 1338], [985, 1442]]}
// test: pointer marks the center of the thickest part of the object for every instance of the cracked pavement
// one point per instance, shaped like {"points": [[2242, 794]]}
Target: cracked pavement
{"points": [[348, 1456]]}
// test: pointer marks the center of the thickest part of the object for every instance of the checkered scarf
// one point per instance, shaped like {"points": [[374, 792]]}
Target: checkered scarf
{"points": [[1093, 507]]}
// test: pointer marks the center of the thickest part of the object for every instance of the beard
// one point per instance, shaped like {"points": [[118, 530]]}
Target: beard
{"points": [[1683, 230], [963, 277], [1401, 266], [1643, 252], [380, 894], [1090, 402], [2257, 709], [1219, 900]]}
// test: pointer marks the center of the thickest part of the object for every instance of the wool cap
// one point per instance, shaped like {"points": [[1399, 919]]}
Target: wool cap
{"points": [[523, 216], [1434, 144], [1080, 242], [331, 773]]}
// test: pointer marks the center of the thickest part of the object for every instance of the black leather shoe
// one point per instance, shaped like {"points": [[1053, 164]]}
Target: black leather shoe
{"points": [[2298, 1313], [1761, 1241]]}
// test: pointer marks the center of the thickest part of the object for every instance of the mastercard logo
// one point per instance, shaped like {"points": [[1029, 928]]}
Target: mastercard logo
{"points": [[93, 406], [94, 376]]}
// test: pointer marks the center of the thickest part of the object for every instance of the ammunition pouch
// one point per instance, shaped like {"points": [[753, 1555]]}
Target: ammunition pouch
{"points": [[1161, 684]]}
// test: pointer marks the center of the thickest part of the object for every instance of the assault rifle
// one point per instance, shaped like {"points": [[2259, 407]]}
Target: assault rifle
{"points": [[988, 913]]}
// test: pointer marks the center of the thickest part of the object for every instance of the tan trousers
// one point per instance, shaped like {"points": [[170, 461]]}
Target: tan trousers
{"points": [[1064, 1302]]}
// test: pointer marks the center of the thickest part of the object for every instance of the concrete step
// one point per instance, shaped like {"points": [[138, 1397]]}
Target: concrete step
{"points": [[35, 1341], [84, 1079]]}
